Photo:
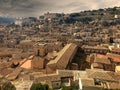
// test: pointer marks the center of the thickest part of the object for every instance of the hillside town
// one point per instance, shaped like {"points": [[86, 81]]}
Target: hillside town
{"points": [[62, 50]]}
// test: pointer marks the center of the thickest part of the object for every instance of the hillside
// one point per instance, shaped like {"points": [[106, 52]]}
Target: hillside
{"points": [[4, 20]]}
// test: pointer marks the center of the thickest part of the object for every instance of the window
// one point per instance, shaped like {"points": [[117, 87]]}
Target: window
{"points": [[97, 82]]}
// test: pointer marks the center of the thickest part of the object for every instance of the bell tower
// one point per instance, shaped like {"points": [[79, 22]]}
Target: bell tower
{"points": [[40, 49]]}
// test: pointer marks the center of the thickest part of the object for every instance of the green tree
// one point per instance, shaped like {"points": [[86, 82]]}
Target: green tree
{"points": [[39, 86], [70, 88], [8, 86]]}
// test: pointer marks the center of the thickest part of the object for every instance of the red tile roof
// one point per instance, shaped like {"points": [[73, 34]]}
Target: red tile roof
{"points": [[101, 56], [114, 57]]}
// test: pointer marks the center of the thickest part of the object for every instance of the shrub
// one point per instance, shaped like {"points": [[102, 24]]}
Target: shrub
{"points": [[39, 86]]}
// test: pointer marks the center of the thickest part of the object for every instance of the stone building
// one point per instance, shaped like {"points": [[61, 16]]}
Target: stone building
{"points": [[63, 60], [40, 49]]}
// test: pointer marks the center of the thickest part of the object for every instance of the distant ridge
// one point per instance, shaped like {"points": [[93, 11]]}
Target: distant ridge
{"points": [[4, 20]]}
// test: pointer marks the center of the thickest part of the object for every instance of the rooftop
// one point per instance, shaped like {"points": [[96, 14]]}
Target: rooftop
{"points": [[64, 57], [94, 47]]}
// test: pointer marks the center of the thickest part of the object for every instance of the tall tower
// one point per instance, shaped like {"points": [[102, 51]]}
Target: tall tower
{"points": [[40, 49]]}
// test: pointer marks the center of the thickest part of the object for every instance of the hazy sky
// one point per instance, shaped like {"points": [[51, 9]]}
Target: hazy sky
{"points": [[39, 7]]}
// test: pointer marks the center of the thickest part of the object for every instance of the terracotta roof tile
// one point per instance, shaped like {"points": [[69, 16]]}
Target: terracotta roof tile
{"points": [[102, 75], [101, 56], [64, 57], [114, 57], [102, 60]]}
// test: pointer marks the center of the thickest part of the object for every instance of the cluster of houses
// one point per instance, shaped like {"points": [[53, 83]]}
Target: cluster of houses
{"points": [[52, 49], [63, 67]]}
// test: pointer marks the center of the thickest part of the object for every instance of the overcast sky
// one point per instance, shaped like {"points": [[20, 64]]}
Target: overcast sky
{"points": [[20, 8]]}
